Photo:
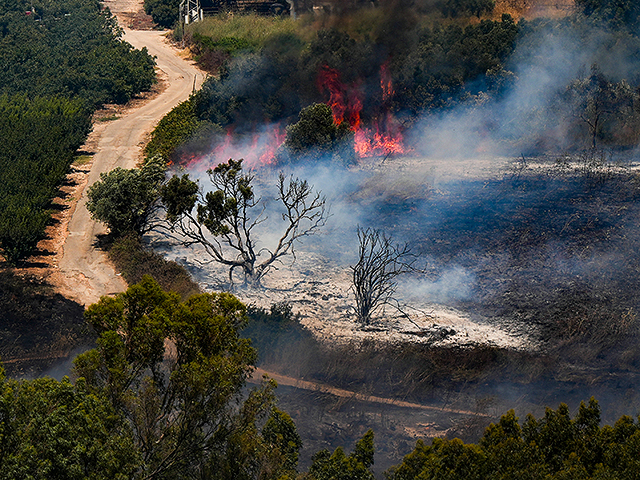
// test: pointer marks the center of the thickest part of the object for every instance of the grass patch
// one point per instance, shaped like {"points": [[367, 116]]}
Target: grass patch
{"points": [[82, 160], [245, 31], [110, 118], [134, 261]]}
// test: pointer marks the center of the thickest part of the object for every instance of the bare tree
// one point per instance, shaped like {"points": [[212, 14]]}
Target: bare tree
{"points": [[380, 262], [225, 218]]}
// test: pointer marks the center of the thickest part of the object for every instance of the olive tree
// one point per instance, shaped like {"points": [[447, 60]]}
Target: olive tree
{"points": [[223, 220], [380, 262]]}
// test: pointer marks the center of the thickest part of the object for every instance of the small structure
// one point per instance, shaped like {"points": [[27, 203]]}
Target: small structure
{"points": [[195, 10]]}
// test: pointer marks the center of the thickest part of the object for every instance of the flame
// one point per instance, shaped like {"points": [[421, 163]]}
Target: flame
{"points": [[257, 151], [346, 102]]}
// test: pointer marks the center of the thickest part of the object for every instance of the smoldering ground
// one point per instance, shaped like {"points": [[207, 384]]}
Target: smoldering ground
{"points": [[508, 243]]}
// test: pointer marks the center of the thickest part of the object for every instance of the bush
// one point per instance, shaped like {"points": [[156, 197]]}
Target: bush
{"points": [[134, 262], [164, 12]]}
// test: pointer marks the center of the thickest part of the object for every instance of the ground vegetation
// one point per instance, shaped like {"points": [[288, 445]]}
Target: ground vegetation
{"points": [[133, 260], [71, 49], [271, 69], [272, 74]]}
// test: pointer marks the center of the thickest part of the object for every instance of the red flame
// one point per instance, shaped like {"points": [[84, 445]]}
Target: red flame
{"points": [[258, 151], [385, 138]]}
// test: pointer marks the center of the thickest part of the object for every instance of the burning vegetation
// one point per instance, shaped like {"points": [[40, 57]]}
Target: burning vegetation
{"points": [[524, 272], [507, 246]]}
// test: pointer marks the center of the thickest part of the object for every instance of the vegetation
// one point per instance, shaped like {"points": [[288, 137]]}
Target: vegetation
{"points": [[380, 262], [58, 62], [619, 13], [40, 137], [339, 466], [164, 12], [270, 70], [127, 200], [180, 131], [555, 446], [316, 136], [69, 48], [134, 261], [52, 429], [174, 371], [228, 214]]}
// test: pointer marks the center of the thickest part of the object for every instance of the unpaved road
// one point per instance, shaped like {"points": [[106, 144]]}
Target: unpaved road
{"points": [[259, 373], [84, 273]]}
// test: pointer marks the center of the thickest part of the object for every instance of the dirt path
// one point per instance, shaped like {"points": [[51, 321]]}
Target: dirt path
{"points": [[83, 272], [338, 392]]}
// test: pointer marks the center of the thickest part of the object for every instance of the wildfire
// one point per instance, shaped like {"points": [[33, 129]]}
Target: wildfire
{"points": [[346, 102], [257, 150]]}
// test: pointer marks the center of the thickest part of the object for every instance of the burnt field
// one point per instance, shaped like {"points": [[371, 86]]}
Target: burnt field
{"points": [[526, 296]]}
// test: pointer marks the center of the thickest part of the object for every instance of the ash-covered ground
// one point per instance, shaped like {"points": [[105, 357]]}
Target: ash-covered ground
{"points": [[318, 284], [535, 256]]}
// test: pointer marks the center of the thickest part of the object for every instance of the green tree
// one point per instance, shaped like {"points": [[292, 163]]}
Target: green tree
{"points": [[554, 447], [339, 466], [126, 200], [316, 135], [164, 12], [175, 371], [51, 429], [225, 218]]}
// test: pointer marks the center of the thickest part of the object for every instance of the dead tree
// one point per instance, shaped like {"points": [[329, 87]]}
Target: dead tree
{"points": [[222, 221], [380, 262]]}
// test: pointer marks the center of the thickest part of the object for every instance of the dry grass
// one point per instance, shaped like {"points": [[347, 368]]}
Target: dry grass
{"points": [[255, 29]]}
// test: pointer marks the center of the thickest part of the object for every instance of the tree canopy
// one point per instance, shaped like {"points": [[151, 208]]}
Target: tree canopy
{"points": [[126, 199], [555, 446], [58, 62], [175, 371]]}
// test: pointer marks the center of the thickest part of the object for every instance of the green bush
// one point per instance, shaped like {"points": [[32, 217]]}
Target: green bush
{"points": [[164, 12], [134, 262]]}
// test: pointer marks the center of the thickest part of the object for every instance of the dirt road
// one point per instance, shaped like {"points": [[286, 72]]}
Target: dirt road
{"points": [[84, 273]]}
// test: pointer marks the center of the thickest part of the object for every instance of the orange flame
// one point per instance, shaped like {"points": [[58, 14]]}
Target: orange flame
{"points": [[385, 138]]}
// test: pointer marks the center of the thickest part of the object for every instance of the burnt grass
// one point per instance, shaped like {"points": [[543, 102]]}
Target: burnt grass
{"points": [[552, 250]]}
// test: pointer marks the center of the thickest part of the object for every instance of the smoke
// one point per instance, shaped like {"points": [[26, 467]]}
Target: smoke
{"points": [[530, 115], [453, 284]]}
